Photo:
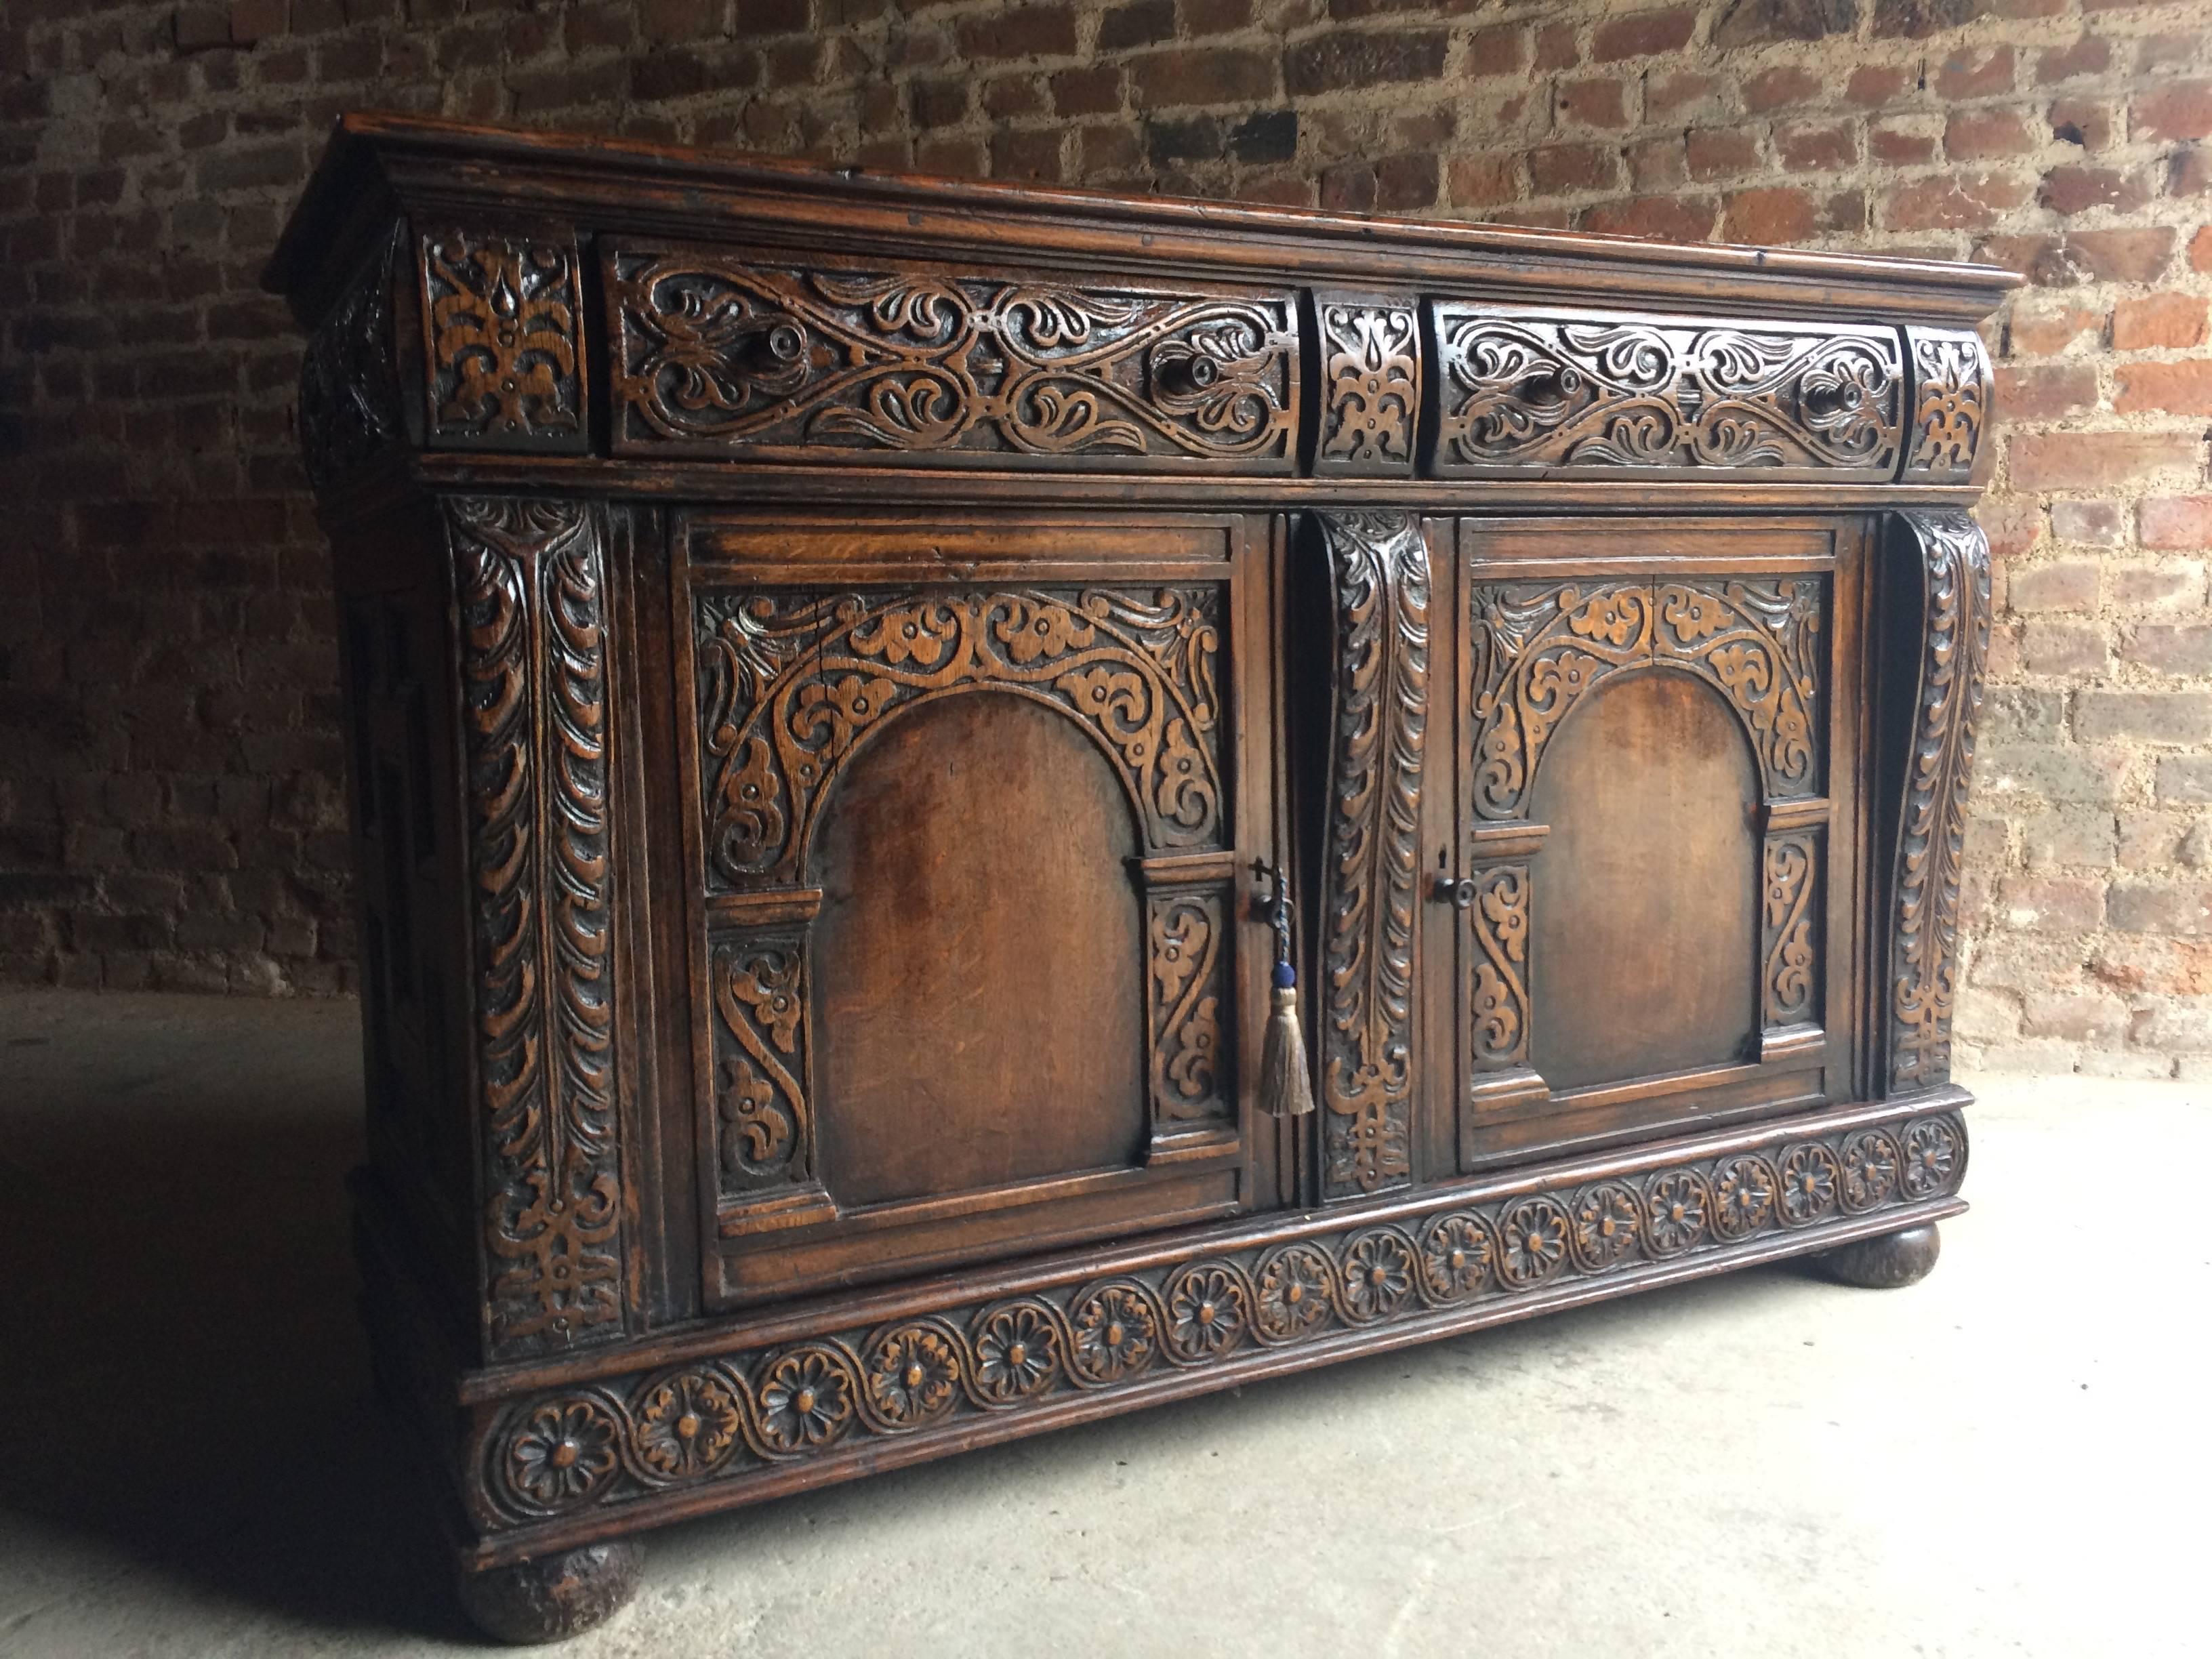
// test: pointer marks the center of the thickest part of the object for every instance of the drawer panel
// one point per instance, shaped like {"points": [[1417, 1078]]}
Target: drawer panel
{"points": [[1523, 389], [939, 364]]}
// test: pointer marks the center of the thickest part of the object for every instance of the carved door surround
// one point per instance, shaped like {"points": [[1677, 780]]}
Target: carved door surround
{"points": [[794, 667], [1539, 635]]}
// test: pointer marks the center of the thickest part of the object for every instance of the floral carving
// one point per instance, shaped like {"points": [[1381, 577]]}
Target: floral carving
{"points": [[1950, 404], [687, 1424], [805, 1400], [1786, 928], [1377, 1274], [1209, 1310], [1539, 647], [1189, 984], [1869, 1166], [1810, 1178], [1117, 1332], [563, 1453], [1743, 1196], [763, 1128], [503, 341], [1497, 1000], [951, 1370], [1371, 380], [1609, 1219], [788, 684], [1296, 1289], [912, 1375], [1676, 1206], [1379, 565], [1459, 1255], [715, 355], [1532, 1242], [534, 710], [1526, 389], [1017, 1353], [1955, 639]]}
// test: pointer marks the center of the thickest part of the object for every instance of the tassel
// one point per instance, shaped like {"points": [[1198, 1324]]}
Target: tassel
{"points": [[1286, 1091]]}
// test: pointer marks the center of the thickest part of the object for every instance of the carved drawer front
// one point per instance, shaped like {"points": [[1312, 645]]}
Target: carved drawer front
{"points": [[1656, 742], [974, 960], [1527, 388], [720, 354]]}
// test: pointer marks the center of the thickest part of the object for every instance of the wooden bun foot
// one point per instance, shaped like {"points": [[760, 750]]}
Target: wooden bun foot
{"points": [[1886, 1261], [555, 1596]]}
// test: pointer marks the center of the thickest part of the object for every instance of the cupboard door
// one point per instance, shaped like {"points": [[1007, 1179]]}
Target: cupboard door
{"points": [[975, 807], [1657, 868]]}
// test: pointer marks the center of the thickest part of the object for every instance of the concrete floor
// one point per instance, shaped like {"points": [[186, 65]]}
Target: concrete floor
{"points": [[2010, 1458]]}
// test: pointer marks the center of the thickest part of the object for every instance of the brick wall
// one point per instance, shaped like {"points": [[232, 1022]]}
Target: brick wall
{"points": [[170, 808]]}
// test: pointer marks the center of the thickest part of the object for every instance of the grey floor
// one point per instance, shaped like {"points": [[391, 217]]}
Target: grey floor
{"points": [[2010, 1458]]}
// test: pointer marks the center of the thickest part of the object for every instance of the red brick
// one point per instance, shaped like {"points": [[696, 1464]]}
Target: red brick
{"points": [[2090, 55], [2122, 256], [2172, 647], [2099, 460], [2054, 904], [1556, 48], [1221, 76], [1782, 216], [1674, 218], [2036, 331], [2070, 586], [1500, 51], [2083, 121], [2200, 250], [1334, 63], [1872, 86], [1656, 164], [2159, 320], [1978, 135], [1721, 152], [1093, 91], [1642, 34], [1485, 180], [2072, 189], [1816, 147], [1963, 201], [1904, 141], [256, 19], [1556, 169], [2190, 173], [1681, 93], [1593, 103], [2182, 388], [2175, 523], [2181, 109], [1967, 74], [2093, 524], [1787, 86], [2046, 390], [1022, 32]]}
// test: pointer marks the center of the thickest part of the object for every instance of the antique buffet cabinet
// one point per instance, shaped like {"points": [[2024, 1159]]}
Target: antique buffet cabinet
{"points": [[840, 671]]}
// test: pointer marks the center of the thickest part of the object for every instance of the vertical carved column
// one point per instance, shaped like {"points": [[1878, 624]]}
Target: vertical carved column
{"points": [[1379, 569], [531, 579], [1953, 558]]}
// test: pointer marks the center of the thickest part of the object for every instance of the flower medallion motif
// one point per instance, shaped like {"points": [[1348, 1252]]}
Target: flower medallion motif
{"points": [[1017, 1353], [1532, 1241], [1116, 1331], [563, 1453], [1608, 1219], [686, 1424], [1458, 1255], [1295, 1284], [1869, 1170], [1209, 1310], [912, 1375], [1810, 1181], [1676, 1209], [1931, 1157], [1378, 1269], [805, 1399], [1743, 1197]]}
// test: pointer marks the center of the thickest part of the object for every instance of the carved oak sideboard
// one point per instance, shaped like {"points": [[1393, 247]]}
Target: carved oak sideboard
{"points": [[863, 694]]}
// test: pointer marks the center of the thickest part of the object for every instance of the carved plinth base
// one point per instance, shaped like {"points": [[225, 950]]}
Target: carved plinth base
{"points": [[1887, 1262], [555, 1596]]}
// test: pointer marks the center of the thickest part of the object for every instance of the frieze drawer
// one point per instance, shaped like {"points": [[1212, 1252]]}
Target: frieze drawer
{"points": [[716, 355]]}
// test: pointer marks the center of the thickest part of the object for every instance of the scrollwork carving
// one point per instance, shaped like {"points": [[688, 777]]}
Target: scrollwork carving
{"points": [[1539, 647], [1953, 561], [1372, 384], [534, 705], [788, 684], [842, 1394], [1498, 1000], [1189, 989], [715, 355], [1525, 389], [1787, 929], [764, 1132], [503, 340], [1380, 568]]}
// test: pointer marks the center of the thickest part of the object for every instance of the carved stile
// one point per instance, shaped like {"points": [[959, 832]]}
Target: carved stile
{"points": [[531, 576], [1379, 569]]}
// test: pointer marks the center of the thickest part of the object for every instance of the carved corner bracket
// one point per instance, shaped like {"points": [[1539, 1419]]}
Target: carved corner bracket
{"points": [[529, 576], [1379, 572], [1952, 557], [350, 401]]}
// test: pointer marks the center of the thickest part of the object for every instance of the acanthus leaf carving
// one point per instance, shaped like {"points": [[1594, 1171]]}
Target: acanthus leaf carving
{"points": [[1379, 567], [1953, 576], [531, 575]]}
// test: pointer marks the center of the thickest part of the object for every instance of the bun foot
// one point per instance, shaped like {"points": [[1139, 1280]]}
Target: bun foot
{"points": [[1885, 1261], [555, 1596]]}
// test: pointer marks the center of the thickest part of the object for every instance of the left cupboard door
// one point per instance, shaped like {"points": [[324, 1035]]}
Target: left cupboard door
{"points": [[971, 806]]}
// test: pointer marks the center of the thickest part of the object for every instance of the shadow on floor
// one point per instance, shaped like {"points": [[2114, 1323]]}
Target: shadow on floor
{"points": [[190, 1390]]}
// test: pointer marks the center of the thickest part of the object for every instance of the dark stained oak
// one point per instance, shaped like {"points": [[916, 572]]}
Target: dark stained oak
{"points": [[836, 668]]}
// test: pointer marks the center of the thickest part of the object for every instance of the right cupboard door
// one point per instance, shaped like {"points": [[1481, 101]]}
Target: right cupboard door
{"points": [[1657, 869]]}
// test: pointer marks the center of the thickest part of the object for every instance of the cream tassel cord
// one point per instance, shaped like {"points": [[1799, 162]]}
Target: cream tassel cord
{"points": [[1286, 1080]]}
